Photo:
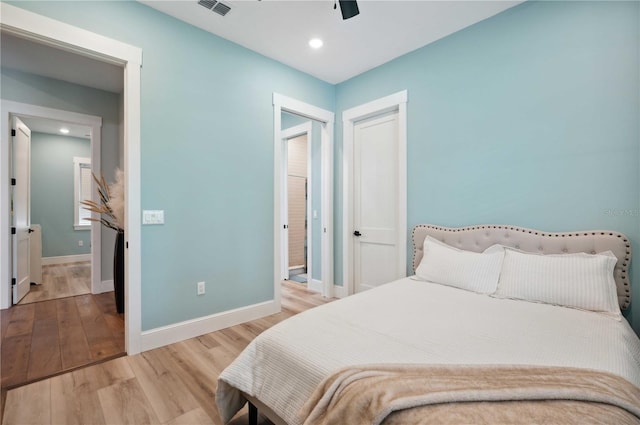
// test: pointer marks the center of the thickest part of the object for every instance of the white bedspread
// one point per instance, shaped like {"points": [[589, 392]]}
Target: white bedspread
{"points": [[409, 321]]}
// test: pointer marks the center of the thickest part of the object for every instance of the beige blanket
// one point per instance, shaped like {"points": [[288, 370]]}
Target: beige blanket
{"points": [[431, 394]]}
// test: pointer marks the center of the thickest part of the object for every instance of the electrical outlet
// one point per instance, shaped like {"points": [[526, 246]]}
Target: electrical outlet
{"points": [[200, 288], [80, 243]]}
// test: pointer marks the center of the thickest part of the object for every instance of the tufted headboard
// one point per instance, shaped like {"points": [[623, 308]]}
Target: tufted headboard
{"points": [[478, 238]]}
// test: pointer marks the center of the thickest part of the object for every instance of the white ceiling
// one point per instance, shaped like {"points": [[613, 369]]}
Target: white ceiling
{"points": [[384, 30], [39, 59], [27, 56], [43, 125]]}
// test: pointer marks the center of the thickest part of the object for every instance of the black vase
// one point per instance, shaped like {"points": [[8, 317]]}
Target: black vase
{"points": [[118, 272]]}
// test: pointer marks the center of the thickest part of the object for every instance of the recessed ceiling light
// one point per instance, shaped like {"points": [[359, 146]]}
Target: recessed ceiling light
{"points": [[316, 43], [64, 130]]}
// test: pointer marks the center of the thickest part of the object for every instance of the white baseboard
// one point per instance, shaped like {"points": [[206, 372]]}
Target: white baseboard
{"points": [[314, 285], [165, 335], [47, 261], [339, 291], [103, 286]]}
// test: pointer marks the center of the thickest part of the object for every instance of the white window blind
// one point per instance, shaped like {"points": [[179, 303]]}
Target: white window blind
{"points": [[82, 191], [85, 193]]}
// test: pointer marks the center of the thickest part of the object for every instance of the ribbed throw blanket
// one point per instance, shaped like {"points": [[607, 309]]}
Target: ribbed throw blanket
{"points": [[434, 394]]}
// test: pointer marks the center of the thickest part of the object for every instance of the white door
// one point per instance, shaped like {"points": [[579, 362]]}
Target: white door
{"points": [[376, 201], [21, 150]]}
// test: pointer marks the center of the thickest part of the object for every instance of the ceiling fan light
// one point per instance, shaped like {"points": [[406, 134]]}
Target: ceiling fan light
{"points": [[349, 8]]}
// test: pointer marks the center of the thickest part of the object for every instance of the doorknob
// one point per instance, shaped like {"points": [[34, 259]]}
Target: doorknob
{"points": [[30, 230], [357, 233]]}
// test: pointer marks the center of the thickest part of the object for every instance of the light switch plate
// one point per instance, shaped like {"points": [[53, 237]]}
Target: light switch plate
{"points": [[153, 217]]}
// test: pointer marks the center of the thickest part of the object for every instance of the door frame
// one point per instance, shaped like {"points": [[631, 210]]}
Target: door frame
{"points": [[288, 134], [326, 118], [393, 102], [44, 30], [11, 109]]}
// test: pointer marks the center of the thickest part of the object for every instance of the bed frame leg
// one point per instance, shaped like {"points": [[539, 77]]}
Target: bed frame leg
{"points": [[253, 414]]}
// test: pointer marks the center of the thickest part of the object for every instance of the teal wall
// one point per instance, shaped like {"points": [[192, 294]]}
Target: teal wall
{"points": [[52, 193], [289, 120], [36, 90], [207, 157], [528, 118]]}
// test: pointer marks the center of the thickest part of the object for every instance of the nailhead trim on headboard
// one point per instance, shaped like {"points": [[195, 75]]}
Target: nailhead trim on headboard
{"points": [[618, 243]]}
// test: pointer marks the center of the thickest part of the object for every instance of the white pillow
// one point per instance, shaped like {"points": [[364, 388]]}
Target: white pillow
{"points": [[582, 281], [473, 271]]}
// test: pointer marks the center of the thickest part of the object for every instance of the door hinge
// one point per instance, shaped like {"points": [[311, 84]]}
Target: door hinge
{"points": [[286, 226], [13, 281], [13, 230], [13, 132], [13, 182]]}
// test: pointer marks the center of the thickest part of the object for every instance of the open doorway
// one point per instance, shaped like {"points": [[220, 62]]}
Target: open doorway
{"points": [[301, 211], [298, 193], [303, 195], [68, 319], [70, 39], [60, 249]]}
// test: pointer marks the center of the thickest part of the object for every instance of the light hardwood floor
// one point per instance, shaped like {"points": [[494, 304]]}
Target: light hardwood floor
{"points": [[45, 338], [61, 281], [171, 385]]}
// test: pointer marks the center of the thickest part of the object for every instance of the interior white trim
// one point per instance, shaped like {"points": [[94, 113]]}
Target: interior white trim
{"points": [[339, 291], [310, 196], [165, 335], [314, 285], [63, 259], [287, 134], [133, 211], [298, 130], [104, 286], [283, 103], [327, 208], [396, 101], [48, 31], [68, 37], [9, 109]]}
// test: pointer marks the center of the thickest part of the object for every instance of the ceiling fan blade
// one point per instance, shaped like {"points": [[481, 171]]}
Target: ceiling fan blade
{"points": [[349, 8]]}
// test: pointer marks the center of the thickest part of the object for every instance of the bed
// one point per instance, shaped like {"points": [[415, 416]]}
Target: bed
{"points": [[415, 351]]}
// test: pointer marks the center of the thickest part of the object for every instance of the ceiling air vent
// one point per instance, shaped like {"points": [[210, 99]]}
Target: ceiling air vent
{"points": [[220, 8], [207, 3]]}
